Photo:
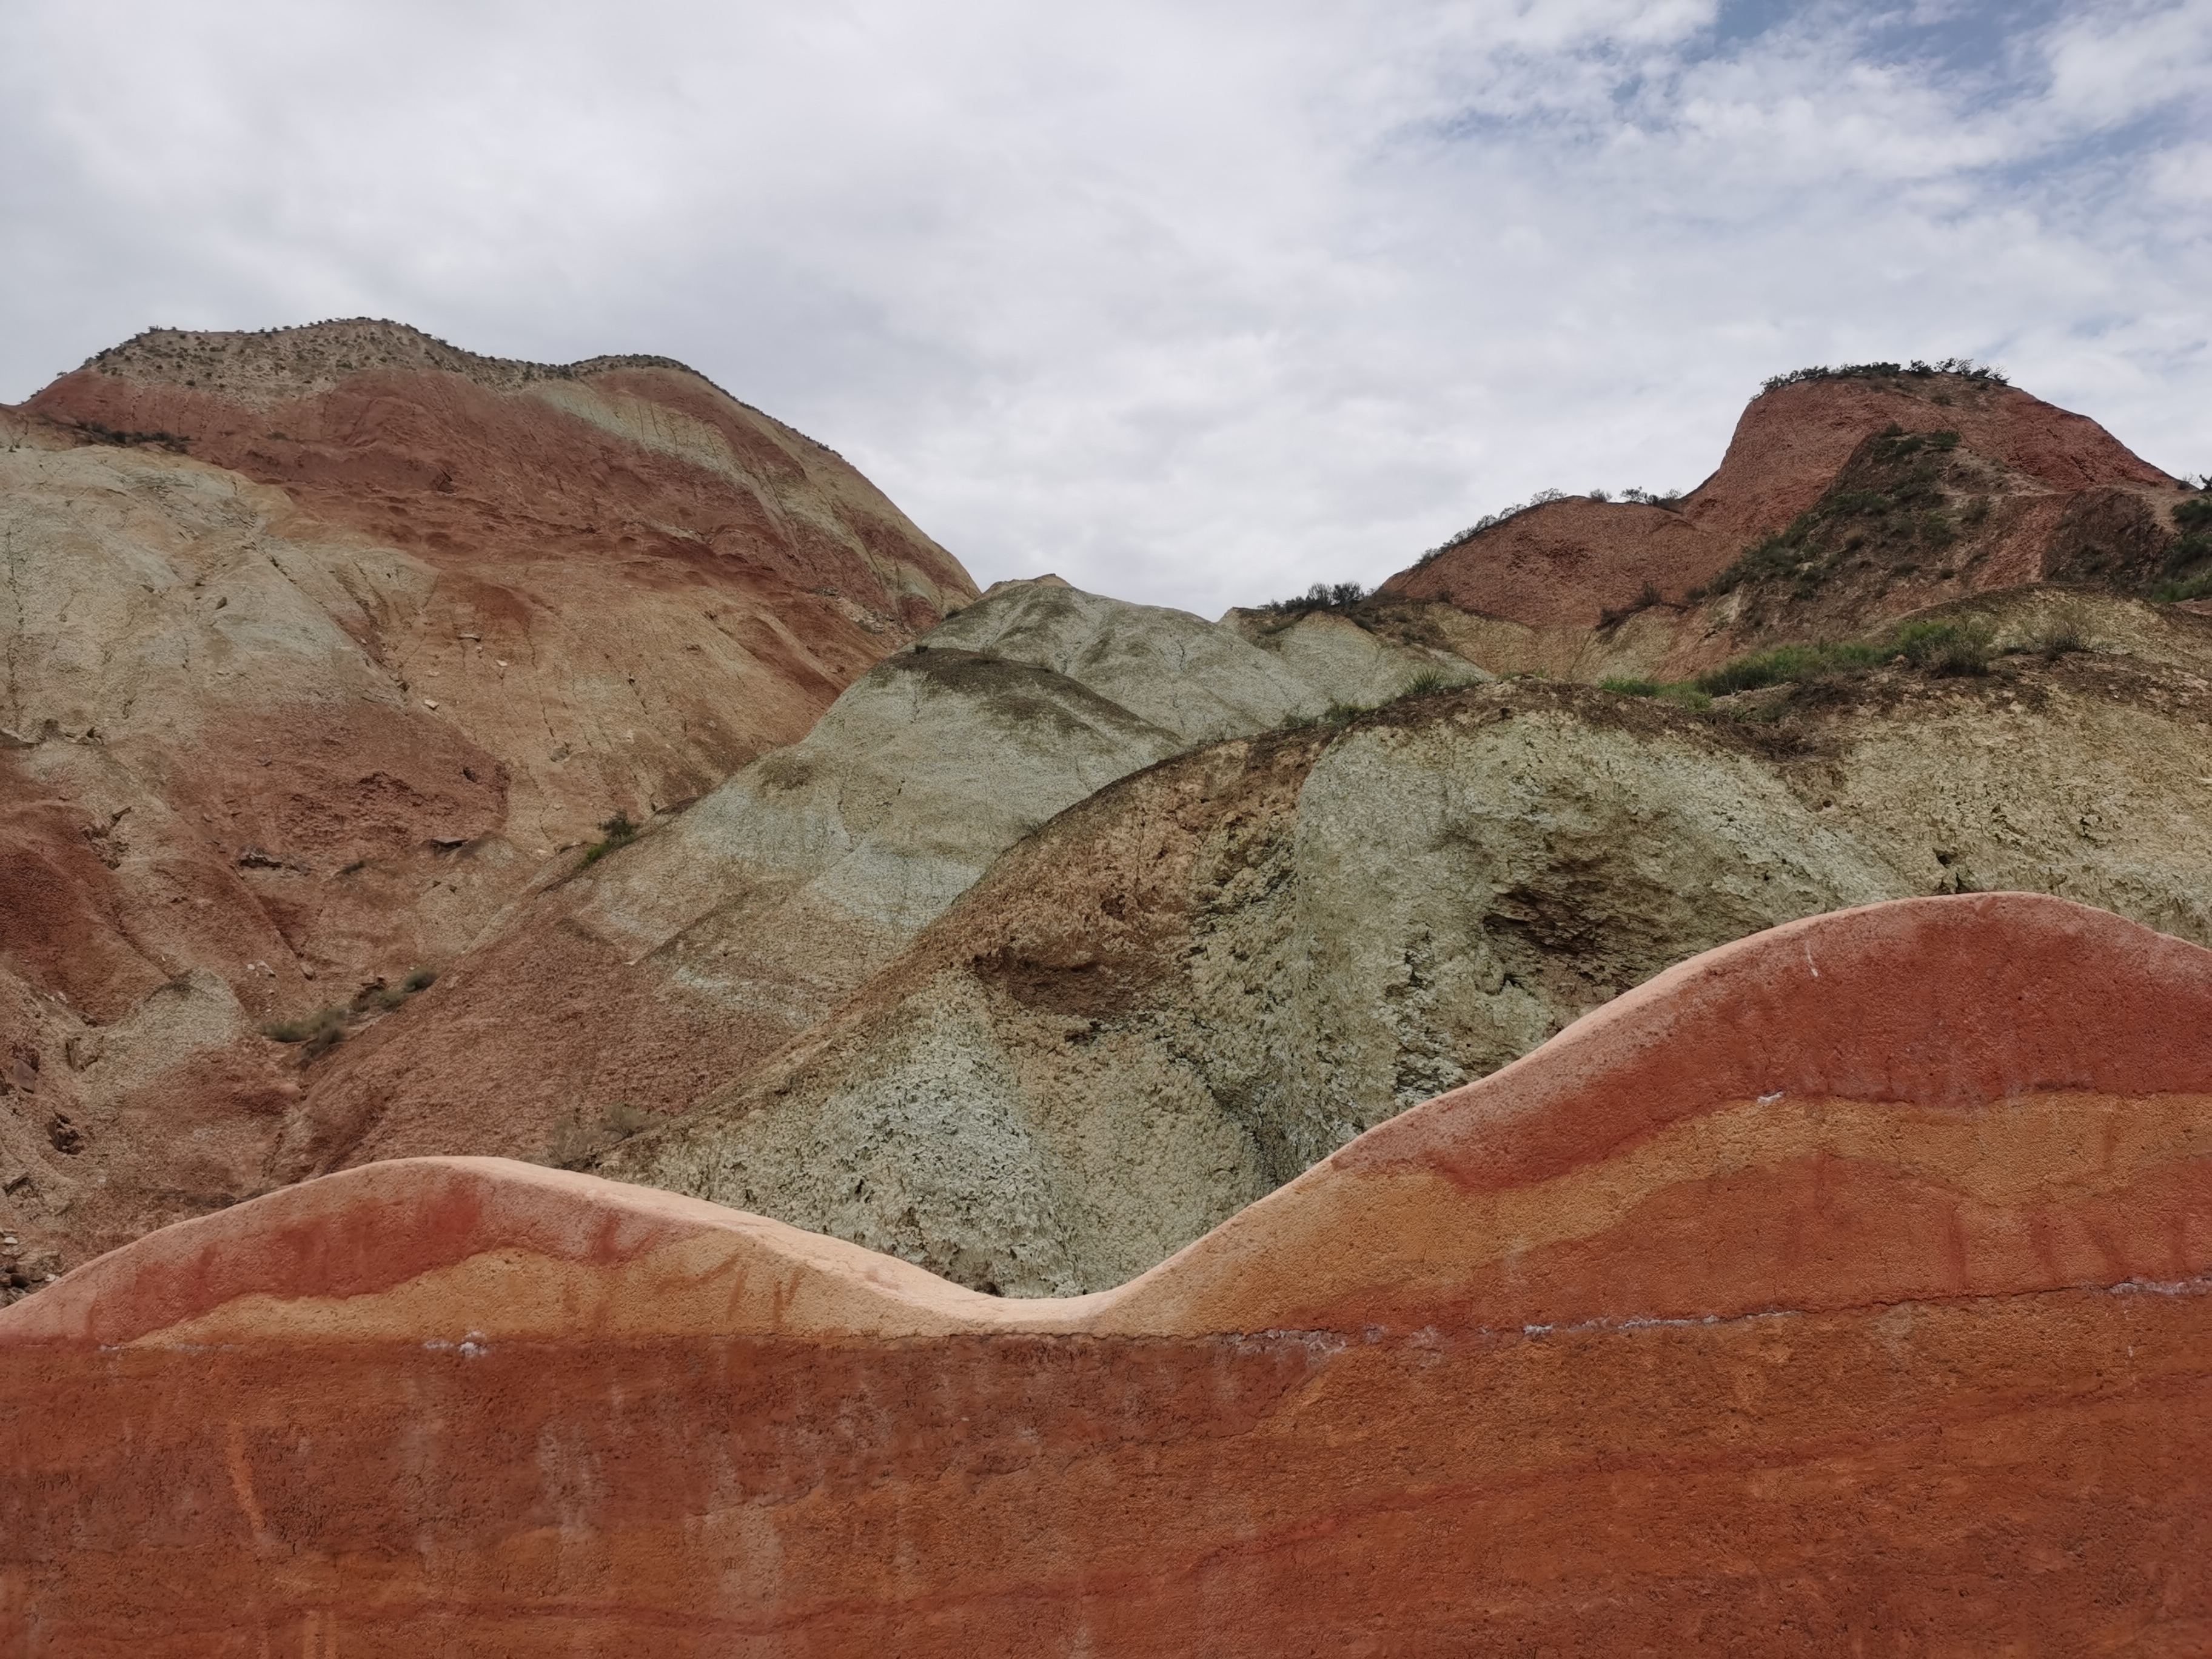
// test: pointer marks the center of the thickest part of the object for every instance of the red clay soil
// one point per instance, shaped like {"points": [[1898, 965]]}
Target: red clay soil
{"points": [[1844, 1290], [1567, 563], [327, 640]]}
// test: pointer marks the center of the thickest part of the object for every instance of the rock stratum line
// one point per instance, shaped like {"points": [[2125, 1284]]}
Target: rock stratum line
{"points": [[1843, 1287]]}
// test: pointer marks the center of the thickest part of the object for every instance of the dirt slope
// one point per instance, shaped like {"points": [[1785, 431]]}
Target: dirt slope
{"points": [[1838, 1291], [645, 981], [1990, 487], [318, 643], [1188, 989]]}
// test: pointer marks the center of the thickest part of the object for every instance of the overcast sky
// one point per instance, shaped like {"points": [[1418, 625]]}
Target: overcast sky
{"points": [[1194, 303]]}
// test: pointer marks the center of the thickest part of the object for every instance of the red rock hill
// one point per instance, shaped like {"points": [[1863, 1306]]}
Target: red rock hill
{"points": [[321, 641], [1570, 563]]}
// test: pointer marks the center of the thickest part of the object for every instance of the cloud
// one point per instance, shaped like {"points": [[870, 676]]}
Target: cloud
{"points": [[1194, 303]]}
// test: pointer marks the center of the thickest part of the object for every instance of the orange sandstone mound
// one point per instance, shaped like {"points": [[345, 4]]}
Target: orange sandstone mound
{"points": [[1841, 1290]]}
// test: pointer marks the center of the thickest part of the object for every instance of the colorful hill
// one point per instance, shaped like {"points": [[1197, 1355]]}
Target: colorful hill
{"points": [[1841, 1288]]}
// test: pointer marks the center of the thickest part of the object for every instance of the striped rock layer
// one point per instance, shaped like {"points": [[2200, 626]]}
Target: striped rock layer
{"points": [[1841, 1290]]}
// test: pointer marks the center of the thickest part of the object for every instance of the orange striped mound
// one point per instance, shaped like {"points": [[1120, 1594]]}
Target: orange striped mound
{"points": [[1841, 1291]]}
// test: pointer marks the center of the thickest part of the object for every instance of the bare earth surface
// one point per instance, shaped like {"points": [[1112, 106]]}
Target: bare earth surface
{"points": [[1839, 1289], [1324, 1131], [643, 982], [1581, 588], [319, 644], [1186, 990]]}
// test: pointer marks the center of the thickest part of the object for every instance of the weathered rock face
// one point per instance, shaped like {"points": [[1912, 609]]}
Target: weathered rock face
{"points": [[318, 643], [648, 979], [1835, 1289], [1927, 488], [1199, 982], [612, 575]]}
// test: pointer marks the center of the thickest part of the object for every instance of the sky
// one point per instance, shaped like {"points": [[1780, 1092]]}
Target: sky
{"points": [[1191, 303]]}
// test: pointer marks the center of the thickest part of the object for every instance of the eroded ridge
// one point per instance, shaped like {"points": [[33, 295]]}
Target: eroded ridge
{"points": [[1840, 1287]]}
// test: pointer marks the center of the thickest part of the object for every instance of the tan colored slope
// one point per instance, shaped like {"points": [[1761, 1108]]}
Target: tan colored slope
{"points": [[651, 978], [1585, 588], [318, 644], [1185, 990]]}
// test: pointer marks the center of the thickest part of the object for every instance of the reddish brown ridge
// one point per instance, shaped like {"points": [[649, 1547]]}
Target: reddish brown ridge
{"points": [[1758, 1311], [1568, 563]]}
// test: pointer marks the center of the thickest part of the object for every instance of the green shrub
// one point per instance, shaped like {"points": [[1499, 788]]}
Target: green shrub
{"points": [[1788, 665], [1946, 647], [1934, 648], [1425, 681], [1964, 367], [1321, 596], [2065, 630], [2194, 588], [619, 832], [1682, 693], [420, 980], [315, 1033], [1778, 556]]}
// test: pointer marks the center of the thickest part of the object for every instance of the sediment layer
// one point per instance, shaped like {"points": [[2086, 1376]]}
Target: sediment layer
{"points": [[1845, 1285]]}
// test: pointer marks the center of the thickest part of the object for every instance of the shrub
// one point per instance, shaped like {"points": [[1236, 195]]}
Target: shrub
{"points": [[1777, 556], [1964, 367], [1944, 647], [316, 1033], [1321, 596], [2173, 593], [420, 980], [1426, 682], [1787, 665], [619, 832], [1628, 687], [2066, 630]]}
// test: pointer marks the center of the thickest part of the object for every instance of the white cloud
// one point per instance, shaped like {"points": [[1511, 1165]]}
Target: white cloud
{"points": [[1192, 302]]}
